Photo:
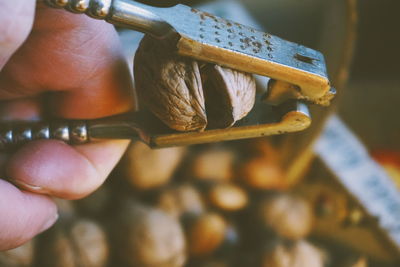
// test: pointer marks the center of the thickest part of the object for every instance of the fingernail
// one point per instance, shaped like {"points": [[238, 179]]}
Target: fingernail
{"points": [[28, 187], [49, 223]]}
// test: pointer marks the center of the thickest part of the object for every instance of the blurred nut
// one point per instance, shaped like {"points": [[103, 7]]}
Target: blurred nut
{"points": [[148, 237], [213, 164], [262, 147], [148, 168], [288, 216], [206, 234], [300, 254], [262, 173], [18, 257], [79, 243], [186, 95], [227, 196], [56, 250], [90, 243], [180, 200]]}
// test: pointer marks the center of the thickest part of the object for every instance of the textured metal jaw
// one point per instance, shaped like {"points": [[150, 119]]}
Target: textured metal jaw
{"points": [[209, 38]]}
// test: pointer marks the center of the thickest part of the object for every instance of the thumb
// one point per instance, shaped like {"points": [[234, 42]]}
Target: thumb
{"points": [[16, 19]]}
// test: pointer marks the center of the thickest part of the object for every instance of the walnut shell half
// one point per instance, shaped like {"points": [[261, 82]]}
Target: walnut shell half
{"points": [[229, 95], [188, 95]]}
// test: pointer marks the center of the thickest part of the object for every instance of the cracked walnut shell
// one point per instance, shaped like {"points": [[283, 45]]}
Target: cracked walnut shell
{"points": [[189, 95]]}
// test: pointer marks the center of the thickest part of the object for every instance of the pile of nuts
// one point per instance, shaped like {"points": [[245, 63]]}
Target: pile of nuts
{"points": [[208, 206]]}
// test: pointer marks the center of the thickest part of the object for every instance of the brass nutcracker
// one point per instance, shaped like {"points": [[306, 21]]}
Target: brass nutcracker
{"points": [[300, 72]]}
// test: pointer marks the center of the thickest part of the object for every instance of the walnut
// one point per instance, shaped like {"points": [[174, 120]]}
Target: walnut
{"points": [[212, 164], [18, 257], [151, 168], [75, 242], [148, 237], [262, 173], [180, 200], [188, 95], [288, 216]]}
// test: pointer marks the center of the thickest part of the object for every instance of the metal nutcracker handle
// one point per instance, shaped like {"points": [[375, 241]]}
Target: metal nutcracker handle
{"points": [[74, 132], [14, 134], [264, 120], [124, 13]]}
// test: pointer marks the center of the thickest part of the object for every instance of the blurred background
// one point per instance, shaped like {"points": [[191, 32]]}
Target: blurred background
{"points": [[369, 101]]}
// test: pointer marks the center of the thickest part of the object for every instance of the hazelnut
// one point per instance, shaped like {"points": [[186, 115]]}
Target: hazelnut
{"points": [[227, 196], [188, 95], [206, 234]]}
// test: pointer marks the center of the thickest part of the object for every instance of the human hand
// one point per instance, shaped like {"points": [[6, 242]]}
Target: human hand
{"points": [[65, 65]]}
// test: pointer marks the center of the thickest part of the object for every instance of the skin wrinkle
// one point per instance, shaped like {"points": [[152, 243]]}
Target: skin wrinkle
{"points": [[13, 85], [109, 94], [73, 50], [84, 56], [91, 72]]}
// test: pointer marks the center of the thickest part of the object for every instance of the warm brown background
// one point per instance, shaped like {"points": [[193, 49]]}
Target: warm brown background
{"points": [[370, 103]]}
